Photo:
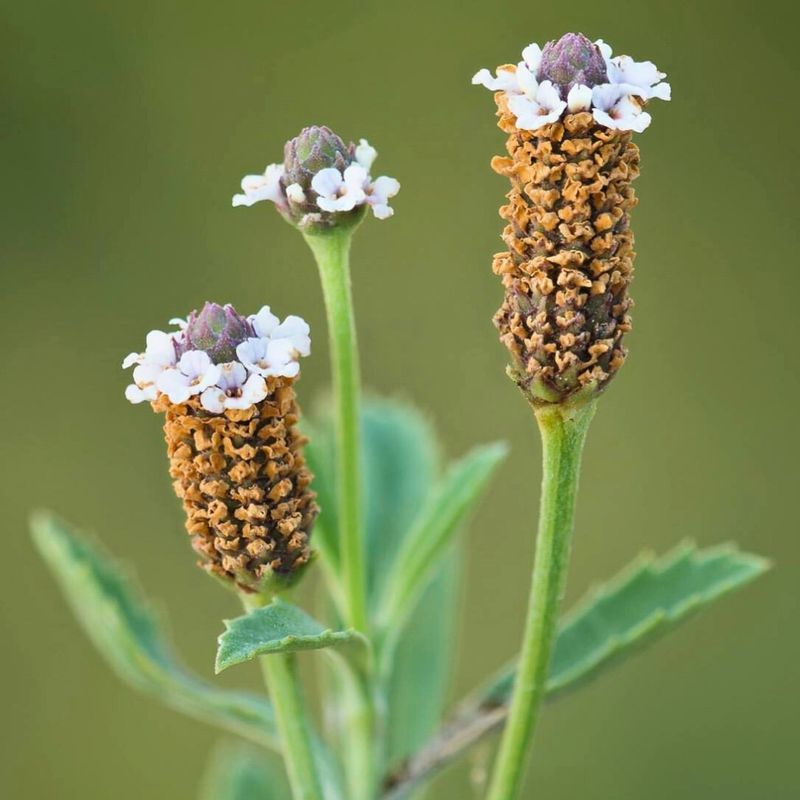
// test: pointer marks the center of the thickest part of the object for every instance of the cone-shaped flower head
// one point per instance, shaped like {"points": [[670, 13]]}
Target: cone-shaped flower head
{"points": [[217, 330], [312, 150], [569, 112], [323, 183], [572, 60], [226, 386]]}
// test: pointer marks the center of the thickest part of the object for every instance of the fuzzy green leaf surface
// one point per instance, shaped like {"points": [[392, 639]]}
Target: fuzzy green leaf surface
{"points": [[644, 601], [279, 627], [238, 771], [126, 632]]}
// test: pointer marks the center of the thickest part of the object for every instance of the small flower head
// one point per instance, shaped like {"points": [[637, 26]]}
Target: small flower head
{"points": [[323, 182], [217, 330], [571, 61], [573, 75], [218, 358]]}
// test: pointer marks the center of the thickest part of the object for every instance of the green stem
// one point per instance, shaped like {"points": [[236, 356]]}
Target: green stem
{"points": [[280, 673], [563, 433], [331, 250]]}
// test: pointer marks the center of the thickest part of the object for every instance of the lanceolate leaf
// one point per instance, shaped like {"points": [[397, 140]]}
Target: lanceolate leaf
{"points": [[126, 632], [434, 529], [645, 600], [278, 627]]}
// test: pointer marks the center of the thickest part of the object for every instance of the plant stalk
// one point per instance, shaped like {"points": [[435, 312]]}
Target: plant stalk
{"points": [[331, 250], [563, 430]]}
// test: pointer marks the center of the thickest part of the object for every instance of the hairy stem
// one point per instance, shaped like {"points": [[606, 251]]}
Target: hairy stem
{"points": [[331, 250], [280, 673], [563, 433]]}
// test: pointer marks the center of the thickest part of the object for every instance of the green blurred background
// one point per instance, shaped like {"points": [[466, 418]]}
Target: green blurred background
{"points": [[125, 130]]}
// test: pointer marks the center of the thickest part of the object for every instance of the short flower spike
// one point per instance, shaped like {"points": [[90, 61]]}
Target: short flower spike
{"points": [[226, 386], [322, 183], [569, 111]]}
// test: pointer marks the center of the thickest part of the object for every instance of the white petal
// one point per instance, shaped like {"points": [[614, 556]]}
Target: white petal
{"points": [[254, 390], [175, 385], [131, 359], [264, 322], [505, 81], [382, 188], [295, 193], [297, 331], [194, 363], [526, 81], [160, 349], [579, 98], [146, 374], [605, 49], [382, 211], [366, 154], [355, 177], [661, 91], [181, 323], [251, 351], [213, 400], [136, 395], [262, 187], [548, 97], [532, 56], [605, 96], [327, 182], [232, 375]]}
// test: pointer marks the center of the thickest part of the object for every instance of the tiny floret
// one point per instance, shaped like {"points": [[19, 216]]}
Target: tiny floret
{"points": [[573, 75], [323, 182], [220, 357]]}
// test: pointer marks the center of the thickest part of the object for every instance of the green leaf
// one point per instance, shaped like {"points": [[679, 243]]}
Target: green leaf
{"points": [[432, 533], [279, 627], [241, 772], [644, 601], [127, 634]]}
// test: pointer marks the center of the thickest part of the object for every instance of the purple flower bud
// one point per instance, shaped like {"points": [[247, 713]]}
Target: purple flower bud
{"points": [[314, 149], [217, 330], [571, 60]]}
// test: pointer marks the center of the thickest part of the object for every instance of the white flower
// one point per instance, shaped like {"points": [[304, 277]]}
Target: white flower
{"points": [[617, 110], [378, 193], [295, 193], [194, 373], [579, 98], [639, 78], [534, 109], [264, 322], [262, 187], [233, 389], [340, 191], [179, 322], [532, 56], [159, 355], [297, 332], [505, 80], [269, 357]]}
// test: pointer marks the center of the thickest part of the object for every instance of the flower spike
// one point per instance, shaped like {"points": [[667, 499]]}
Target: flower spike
{"points": [[569, 111], [226, 386]]}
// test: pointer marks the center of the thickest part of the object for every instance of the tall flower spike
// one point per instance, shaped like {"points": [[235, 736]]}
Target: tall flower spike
{"points": [[225, 384], [323, 183], [570, 253]]}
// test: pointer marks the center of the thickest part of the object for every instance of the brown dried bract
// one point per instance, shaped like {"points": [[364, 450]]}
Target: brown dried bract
{"points": [[570, 253], [244, 485]]}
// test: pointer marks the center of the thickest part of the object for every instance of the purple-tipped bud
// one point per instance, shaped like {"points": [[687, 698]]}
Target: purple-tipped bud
{"points": [[571, 60], [314, 149], [217, 330]]}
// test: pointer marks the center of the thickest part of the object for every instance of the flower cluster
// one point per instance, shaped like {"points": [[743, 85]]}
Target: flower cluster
{"points": [[219, 356], [572, 75], [320, 177]]}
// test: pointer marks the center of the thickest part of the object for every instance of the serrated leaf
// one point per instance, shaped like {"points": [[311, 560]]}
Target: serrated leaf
{"points": [[644, 601], [126, 632], [241, 772], [279, 627], [433, 531]]}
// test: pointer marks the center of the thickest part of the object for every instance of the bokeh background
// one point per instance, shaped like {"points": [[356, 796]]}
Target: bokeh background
{"points": [[126, 128]]}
